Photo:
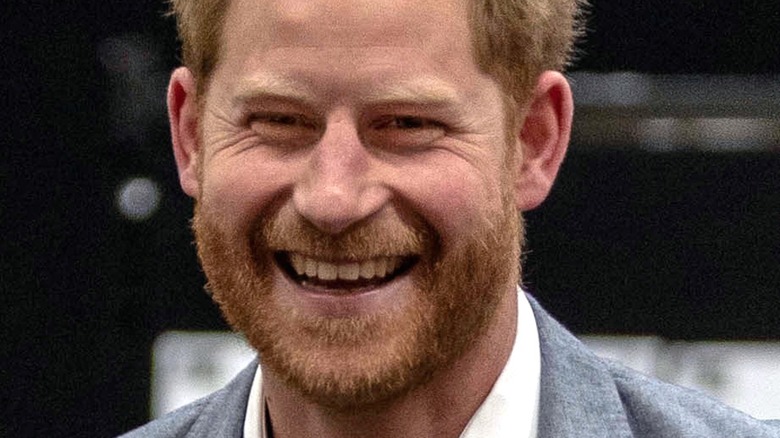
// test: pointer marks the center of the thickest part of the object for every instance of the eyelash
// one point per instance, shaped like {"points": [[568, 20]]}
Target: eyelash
{"points": [[282, 119], [385, 122], [417, 121]]}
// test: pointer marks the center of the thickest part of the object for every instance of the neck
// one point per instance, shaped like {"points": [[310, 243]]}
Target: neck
{"points": [[440, 408]]}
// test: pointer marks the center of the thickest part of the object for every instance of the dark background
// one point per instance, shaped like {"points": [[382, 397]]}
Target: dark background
{"points": [[681, 244]]}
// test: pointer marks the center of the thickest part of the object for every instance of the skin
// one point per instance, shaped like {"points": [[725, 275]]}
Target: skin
{"points": [[367, 111]]}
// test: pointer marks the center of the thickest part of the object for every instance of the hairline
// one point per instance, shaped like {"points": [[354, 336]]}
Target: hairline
{"points": [[204, 72]]}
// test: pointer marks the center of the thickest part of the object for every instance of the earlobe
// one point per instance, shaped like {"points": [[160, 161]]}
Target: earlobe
{"points": [[183, 117], [543, 139]]}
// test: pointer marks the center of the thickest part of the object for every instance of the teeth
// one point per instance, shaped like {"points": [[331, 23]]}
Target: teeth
{"points": [[380, 267], [311, 268], [350, 271], [327, 271], [298, 263], [370, 269], [367, 269]]}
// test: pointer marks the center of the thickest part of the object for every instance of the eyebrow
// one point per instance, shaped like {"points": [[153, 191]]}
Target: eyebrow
{"points": [[419, 90], [269, 86], [423, 90]]}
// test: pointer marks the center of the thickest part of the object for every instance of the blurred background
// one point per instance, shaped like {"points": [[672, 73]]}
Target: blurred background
{"points": [[663, 225]]}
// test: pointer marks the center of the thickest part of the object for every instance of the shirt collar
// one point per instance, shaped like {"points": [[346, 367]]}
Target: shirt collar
{"points": [[511, 409], [255, 421]]}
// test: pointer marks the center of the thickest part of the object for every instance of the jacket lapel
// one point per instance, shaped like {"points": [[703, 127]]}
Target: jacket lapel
{"points": [[223, 416], [578, 395]]}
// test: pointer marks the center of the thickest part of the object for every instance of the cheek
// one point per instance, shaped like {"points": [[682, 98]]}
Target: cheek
{"points": [[239, 189], [454, 199]]}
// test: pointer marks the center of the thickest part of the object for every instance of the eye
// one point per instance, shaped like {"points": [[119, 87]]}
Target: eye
{"points": [[408, 122], [405, 131], [278, 120], [405, 122], [283, 119], [283, 129]]}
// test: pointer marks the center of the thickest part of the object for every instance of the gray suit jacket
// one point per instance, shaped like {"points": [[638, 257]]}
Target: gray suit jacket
{"points": [[582, 396]]}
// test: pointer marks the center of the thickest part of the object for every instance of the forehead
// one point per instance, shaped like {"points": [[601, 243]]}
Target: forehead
{"points": [[348, 51], [435, 25], [372, 18]]}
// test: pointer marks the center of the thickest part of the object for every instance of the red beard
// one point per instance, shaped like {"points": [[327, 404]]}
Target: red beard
{"points": [[346, 362]]}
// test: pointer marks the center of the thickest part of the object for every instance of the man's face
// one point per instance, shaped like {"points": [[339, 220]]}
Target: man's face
{"points": [[355, 214]]}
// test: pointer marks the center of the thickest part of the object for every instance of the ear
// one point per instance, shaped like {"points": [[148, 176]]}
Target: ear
{"points": [[543, 139], [183, 117]]}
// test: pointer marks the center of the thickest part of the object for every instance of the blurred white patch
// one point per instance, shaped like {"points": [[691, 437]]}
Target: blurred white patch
{"points": [[189, 365], [743, 375], [138, 199]]}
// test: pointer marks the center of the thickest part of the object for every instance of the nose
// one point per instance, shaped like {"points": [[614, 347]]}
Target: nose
{"points": [[340, 185]]}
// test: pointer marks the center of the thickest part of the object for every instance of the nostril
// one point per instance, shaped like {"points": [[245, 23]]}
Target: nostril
{"points": [[329, 211], [334, 208]]}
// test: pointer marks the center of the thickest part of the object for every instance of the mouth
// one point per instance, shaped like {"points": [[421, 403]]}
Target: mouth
{"points": [[350, 276]]}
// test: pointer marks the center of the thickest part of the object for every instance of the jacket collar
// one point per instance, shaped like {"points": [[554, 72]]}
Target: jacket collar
{"points": [[224, 412], [578, 396]]}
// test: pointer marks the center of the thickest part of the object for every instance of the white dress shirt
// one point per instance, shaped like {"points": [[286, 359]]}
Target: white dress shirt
{"points": [[511, 409]]}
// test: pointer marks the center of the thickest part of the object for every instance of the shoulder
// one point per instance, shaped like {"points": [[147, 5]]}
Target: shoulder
{"points": [[220, 414], [173, 424], [583, 395], [655, 408]]}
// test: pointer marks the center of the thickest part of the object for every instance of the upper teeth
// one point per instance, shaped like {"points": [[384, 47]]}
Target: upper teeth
{"points": [[374, 268]]}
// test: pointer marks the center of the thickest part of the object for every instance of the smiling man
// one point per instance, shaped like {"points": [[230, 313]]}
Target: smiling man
{"points": [[358, 168]]}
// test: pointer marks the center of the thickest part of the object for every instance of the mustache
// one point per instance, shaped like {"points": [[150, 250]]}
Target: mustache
{"points": [[387, 234]]}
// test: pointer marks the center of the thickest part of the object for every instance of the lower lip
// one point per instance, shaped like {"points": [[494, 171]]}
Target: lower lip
{"points": [[342, 303]]}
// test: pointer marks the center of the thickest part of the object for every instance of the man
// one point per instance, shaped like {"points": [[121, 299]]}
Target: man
{"points": [[358, 167]]}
